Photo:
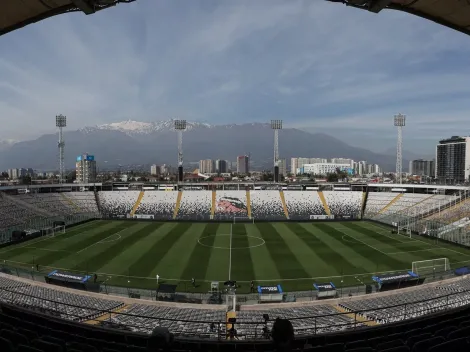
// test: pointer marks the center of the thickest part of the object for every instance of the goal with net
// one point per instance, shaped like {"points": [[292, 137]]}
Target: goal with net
{"points": [[245, 219], [431, 266], [54, 231]]}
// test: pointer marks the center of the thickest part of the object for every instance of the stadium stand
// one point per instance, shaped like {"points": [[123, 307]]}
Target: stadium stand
{"points": [[344, 203], [376, 201], [117, 203], [267, 205], [302, 204], [85, 201], [14, 215], [160, 204], [195, 205], [230, 204]]}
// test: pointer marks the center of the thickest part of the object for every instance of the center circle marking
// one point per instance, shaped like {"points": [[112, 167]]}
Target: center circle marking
{"points": [[200, 241]]}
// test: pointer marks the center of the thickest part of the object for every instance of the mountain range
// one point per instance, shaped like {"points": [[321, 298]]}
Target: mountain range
{"points": [[133, 142]]}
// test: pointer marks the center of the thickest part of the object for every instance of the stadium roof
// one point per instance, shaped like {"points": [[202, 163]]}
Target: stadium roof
{"points": [[15, 14], [454, 14]]}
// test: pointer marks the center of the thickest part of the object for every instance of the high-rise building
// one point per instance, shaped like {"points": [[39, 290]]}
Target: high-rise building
{"points": [[243, 164], [453, 160], [422, 167], [207, 166], [221, 166], [154, 170], [342, 161], [86, 168], [282, 167]]}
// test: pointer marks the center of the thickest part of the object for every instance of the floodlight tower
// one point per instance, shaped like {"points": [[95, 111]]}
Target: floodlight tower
{"points": [[61, 122], [180, 126], [276, 125], [399, 121]]}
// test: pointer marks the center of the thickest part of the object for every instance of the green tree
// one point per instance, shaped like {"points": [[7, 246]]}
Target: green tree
{"points": [[332, 177], [25, 180]]}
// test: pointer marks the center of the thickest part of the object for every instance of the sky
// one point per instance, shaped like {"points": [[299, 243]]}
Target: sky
{"points": [[318, 66]]}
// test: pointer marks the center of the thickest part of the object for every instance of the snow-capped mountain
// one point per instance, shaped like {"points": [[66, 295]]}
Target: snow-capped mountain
{"points": [[131, 127], [7, 143]]}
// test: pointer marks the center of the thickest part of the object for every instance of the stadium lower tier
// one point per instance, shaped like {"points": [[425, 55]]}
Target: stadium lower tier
{"points": [[22, 300]]}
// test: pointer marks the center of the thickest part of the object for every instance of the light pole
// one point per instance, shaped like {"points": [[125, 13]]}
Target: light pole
{"points": [[61, 122], [276, 125], [180, 126], [399, 121]]}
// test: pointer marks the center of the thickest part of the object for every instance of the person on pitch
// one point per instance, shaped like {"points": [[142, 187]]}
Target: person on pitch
{"points": [[193, 282], [252, 287]]}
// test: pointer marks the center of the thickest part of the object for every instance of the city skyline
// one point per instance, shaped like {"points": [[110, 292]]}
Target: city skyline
{"points": [[239, 62]]}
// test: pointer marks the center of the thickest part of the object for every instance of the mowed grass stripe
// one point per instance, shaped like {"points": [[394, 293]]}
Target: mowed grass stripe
{"points": [[261, 257], [22, 249], [52, 257], [242, 262], [387, 244], [317, 257], [281, 256], [336, 253], [107, 254], [198, 262], [381, 262], [173, 262], [143, 267]]}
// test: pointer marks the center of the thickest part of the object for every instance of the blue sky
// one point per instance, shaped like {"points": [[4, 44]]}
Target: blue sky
{"points": [[318, 66]]}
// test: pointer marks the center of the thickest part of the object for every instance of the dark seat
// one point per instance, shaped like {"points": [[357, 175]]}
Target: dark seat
{"points": [[397, 349], [390, 344], [445, 331], [23, 348], [14, 337], [46, 346], [82, 347], [462, 332], [460, 344], [416, 338], [30, 334], [356, 344], [361, 349], [6, 345], [333, 347], [423, 346]]}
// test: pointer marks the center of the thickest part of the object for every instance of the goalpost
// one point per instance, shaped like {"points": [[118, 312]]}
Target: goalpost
{"points": [[245, 219], [431, 266], [54, 231]]}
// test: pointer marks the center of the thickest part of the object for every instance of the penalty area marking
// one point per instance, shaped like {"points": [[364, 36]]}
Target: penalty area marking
{"points": [[112, 240], [104, 240], [231, 247]]}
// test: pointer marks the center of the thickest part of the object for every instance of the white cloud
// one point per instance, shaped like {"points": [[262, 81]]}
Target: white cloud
{"points": [[313, 63]]}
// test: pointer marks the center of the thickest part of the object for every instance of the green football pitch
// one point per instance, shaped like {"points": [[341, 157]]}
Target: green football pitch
{"points": [[295, 255]]}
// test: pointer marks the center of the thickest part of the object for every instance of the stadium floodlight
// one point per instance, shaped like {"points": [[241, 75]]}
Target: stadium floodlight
{"points": [[180, 126], [61, 122], [399, 122], [276, 125]]}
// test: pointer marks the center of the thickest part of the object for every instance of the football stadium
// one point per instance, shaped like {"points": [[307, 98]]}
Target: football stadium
{"points": [[234, 266]]}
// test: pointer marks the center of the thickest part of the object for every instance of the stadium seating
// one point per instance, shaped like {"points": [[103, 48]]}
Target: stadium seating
{"points": [[344, 203], [376, 202], [65, 305], [117, 203], [13, 214], [195, 205], [302, 204], [160, 204], [230, 204], [82, 201], [267, 205]]}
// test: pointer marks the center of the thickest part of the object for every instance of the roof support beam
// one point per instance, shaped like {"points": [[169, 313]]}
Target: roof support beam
{"points": [[84, 6]]}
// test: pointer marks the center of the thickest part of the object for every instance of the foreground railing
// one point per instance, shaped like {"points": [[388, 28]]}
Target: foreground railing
{"points": [[249, 327]]}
